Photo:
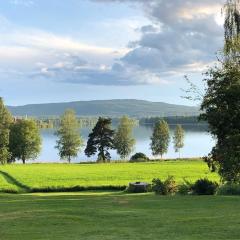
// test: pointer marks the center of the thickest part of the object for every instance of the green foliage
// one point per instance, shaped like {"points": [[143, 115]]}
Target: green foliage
{"points": [[178, 138], [221, 109], [5, 121], [168, 187], [185, 188], [139, 157], [232, 29], [229, 189], [204, 187], [222, 100], [100, 140], [160, 138], [25, 140], [123, 140], [69, 140]]}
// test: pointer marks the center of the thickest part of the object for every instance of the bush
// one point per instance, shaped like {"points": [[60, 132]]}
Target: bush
{"points": [[139, 157], [185, 188], [168, 187], [204, 187], [229, 189]]}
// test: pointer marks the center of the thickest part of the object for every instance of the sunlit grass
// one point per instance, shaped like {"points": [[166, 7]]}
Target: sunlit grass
{"points": [[116, 174]]}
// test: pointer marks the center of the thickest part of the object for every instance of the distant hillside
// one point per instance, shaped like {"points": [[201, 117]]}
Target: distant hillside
{"points": [[111, 108]]}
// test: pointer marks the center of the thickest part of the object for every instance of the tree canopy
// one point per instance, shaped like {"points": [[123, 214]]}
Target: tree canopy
{"points": [[69, 140], [160, 138], [221, 102], [178, 138], [25, 140], [124, 141], [5, 121], [101, 140]]}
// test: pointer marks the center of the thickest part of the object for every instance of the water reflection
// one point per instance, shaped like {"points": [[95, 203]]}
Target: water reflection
{"points": [[198, 143]]}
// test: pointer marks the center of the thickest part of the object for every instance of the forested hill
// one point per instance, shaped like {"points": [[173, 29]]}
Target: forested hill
{"points": [[111, 108]]}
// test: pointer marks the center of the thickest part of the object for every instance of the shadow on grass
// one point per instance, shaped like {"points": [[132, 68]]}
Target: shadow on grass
{"points": [[24, 188], [15, 182]]}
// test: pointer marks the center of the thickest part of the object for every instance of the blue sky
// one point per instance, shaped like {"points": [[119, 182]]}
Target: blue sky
{"points": [[52, 51]]}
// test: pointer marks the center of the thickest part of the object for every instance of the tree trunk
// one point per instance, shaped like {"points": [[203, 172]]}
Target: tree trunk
{"points": [[102, 155], [69, 159], [23, 160]]}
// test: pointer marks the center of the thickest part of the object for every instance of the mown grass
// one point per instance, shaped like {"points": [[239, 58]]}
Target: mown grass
{"points": [[89, 176], [116, 216]]}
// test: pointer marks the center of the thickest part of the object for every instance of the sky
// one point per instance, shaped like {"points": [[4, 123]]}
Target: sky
{"points": [[71, 50]]}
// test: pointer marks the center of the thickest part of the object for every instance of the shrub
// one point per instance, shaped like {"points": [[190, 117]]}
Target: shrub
{"points": [[168, 187], [185, 188], [229, 189], [204, 187], [139, 157], [158, 187]]}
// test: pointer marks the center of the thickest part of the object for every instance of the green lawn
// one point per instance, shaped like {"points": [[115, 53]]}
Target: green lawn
{"points": [[115, 174], [116, 216]]}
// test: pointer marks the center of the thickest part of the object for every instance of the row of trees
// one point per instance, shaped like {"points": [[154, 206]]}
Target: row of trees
{"points": [[103, 138], [21, 140]]}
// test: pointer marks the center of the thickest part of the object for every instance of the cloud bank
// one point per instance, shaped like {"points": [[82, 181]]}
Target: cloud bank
{"points": [[181, 37]]}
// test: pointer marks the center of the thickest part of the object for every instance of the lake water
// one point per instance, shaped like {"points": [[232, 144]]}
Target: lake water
{"points": [[198, 143]]}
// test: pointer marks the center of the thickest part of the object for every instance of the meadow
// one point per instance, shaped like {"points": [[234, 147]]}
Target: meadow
{"points": [[114, 216], [70, 177]]}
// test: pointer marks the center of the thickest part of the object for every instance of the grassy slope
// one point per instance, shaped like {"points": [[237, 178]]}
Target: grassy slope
{"points": [[115, 174], [117, 217]]}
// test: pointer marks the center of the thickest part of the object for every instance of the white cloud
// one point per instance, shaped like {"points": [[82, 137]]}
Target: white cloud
{"points": [[174, 38]]}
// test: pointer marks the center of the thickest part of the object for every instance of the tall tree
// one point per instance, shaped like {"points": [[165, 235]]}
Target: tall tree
{"points": [[69, 140], [232, 29], [160, 138], [25, 140], [123, 140], [221, 103], [100, 140], [178, 138], [5, 121]]}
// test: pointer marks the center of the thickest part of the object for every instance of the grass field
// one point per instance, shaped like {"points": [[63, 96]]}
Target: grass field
{"points": [[59, 176], [116, 216]]}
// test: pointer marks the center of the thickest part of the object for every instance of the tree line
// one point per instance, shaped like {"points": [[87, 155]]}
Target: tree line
{"points": [[20, 139]]}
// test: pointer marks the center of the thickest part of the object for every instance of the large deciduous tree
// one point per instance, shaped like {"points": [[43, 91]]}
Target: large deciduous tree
{"points": [[101, 140], [124, 141], [69, 140], [5, 121], [160, 138], [25, 140], [221, 103]]}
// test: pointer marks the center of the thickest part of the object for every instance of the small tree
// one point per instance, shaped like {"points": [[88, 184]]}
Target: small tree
{"points": [[69, 140], [160, 138], [5, 121], [100, 140], [25, 140], [124, 141], [178, 139]]}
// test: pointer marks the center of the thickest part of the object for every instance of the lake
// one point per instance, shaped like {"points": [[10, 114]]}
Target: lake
{"points": [[198, 143]]}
